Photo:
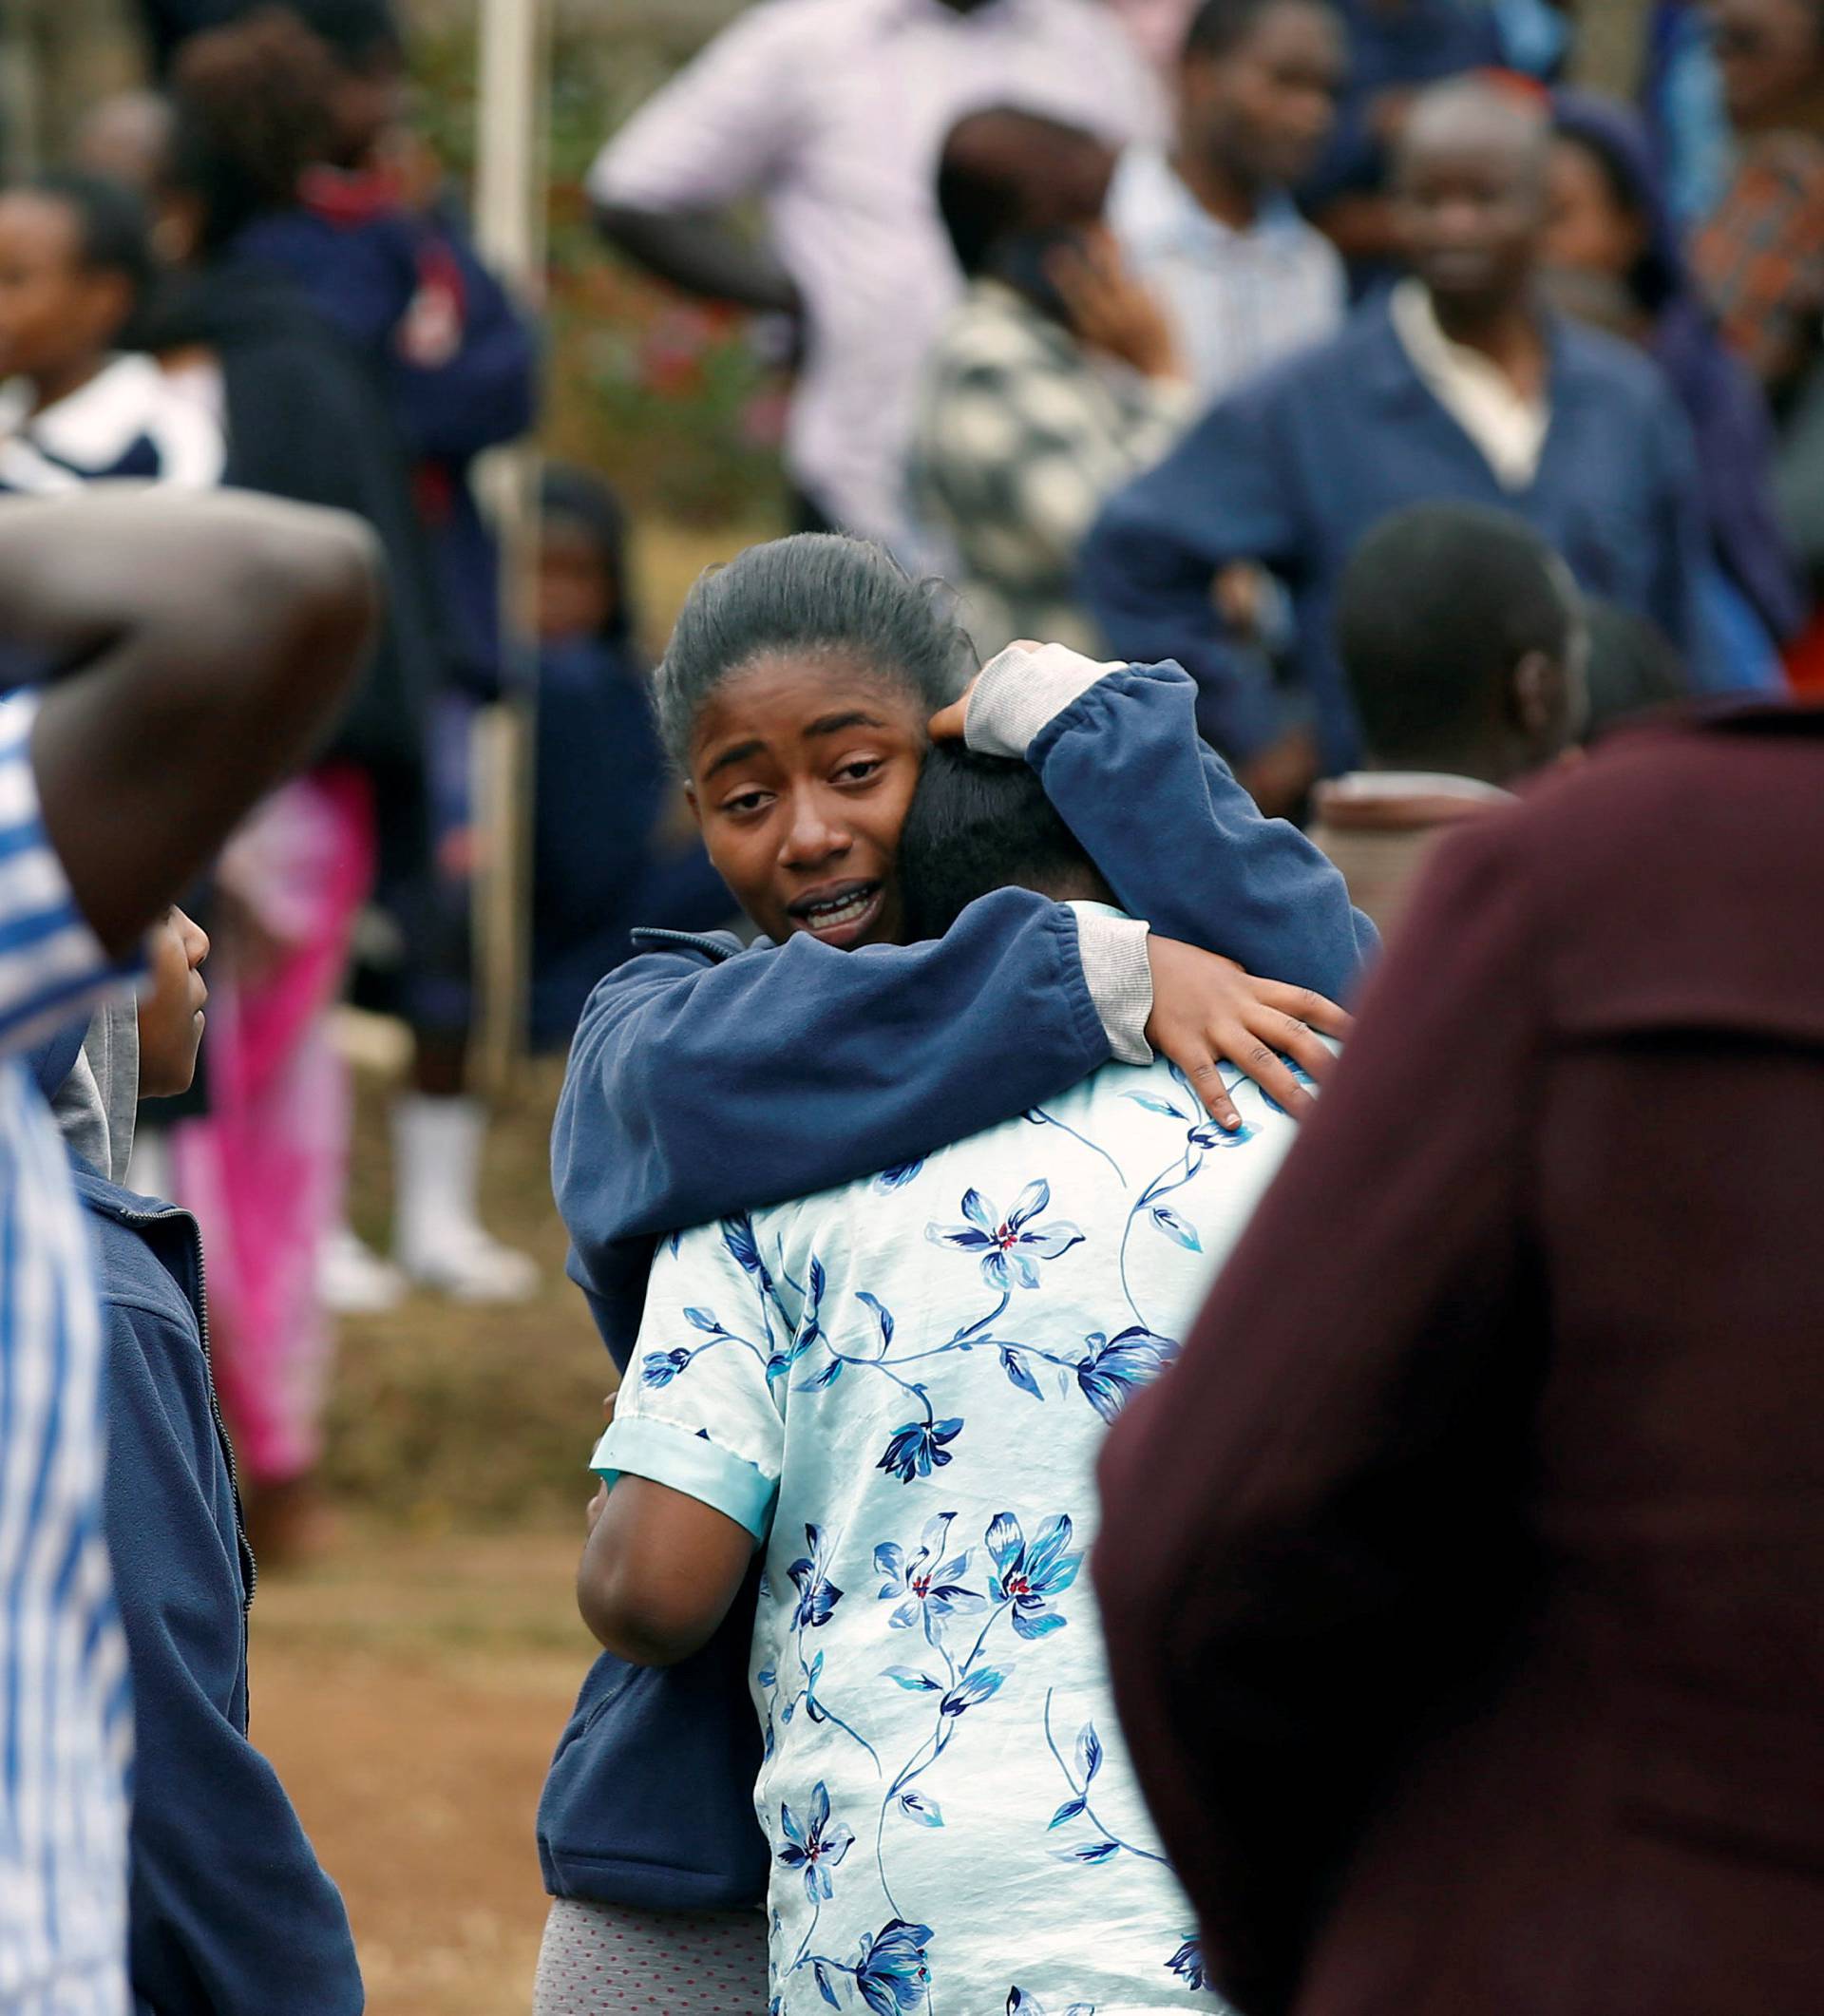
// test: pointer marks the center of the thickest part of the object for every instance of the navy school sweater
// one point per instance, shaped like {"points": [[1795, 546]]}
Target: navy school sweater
{"points": [[1298, 466], [230, 1914], [706, 1080]]}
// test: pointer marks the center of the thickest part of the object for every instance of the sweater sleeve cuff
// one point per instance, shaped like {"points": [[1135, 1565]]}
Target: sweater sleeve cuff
{"points": [[1019, 692], [689, 1463], [1115, 968]]}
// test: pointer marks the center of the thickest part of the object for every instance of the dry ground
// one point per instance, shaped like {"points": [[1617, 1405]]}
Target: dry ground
{"points": [[411, 1682]]}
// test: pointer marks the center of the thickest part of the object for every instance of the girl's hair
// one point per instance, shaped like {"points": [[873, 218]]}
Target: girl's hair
{"points": [[113, 232], [251, 106], [590, 502], [814, 591], [361, 34]]}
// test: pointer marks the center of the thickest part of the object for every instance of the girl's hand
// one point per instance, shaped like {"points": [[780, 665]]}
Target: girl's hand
{"points": [[950, 724], [1206, 1011]]}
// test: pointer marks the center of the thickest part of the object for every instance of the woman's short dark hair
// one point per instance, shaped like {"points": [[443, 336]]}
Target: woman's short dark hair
{"points": [[251, 110], [1219, 28], [978, 823], [812, 593]]}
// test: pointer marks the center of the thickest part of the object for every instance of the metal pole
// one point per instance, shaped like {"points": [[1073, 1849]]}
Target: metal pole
{"points": [[509, 215]]}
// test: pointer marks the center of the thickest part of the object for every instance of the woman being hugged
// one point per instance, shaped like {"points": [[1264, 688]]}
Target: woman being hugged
{"points": [[798, 696]]}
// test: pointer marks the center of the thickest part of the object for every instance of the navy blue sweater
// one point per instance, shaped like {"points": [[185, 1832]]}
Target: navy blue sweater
{"points": [[362, 277], [706, 1080], [1294, 470], [231, 1912]]}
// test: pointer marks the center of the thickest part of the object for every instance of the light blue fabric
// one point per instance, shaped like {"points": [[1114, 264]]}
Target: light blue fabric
{"points": [[925, 1364], [689, 1463]]}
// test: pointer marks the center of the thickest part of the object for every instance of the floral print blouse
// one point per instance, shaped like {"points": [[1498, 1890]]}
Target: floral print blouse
{"points": [[900, 1388]]}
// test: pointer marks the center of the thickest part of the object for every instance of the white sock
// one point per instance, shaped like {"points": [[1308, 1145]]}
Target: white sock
{"points": [[436, 1173]]}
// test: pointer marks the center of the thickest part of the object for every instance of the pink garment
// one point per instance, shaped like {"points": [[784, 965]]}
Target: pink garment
{"points": [[265, 1172], [1158, 27]]}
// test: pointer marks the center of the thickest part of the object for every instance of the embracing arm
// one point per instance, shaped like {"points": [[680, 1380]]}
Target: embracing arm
{"points": [[697, 1089], [1201, 864]]}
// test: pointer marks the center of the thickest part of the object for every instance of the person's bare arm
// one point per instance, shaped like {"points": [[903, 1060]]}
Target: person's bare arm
{"points": [[700, 254], [200, 647], [658, 1571]]}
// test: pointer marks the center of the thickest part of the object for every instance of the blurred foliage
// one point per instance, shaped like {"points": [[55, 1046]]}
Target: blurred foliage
{"points": [[672, 399]]}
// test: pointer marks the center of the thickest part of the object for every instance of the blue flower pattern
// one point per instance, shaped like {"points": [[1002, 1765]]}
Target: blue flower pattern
{"points": [[909, 1665]]}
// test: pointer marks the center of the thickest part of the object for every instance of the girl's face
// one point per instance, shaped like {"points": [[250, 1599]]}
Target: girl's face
{"points": [[1586, 229], [801, 771], [575, 588], [171, 1008], [57, 317], [1770, 55]]}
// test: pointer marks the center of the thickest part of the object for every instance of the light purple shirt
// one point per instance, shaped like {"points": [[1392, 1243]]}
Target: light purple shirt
{"points": [[835, 111]]}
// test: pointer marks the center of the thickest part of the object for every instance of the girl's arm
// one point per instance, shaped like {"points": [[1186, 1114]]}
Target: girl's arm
{"points": [[1178, 840], [701, 1084], [707, 1080]]}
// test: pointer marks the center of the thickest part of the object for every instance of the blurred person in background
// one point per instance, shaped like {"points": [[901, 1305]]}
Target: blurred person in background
{"points": [[221, 1871], [875, 1819], [607, 856], [1759, 255], [222, 634], [1208, 224], [1058, 377], [1682, 98], [77, 401], [1396, 48], [385, 261], [265, 1172], [833, 112], [1633, 669], [1157, 27], [706, 1078], [1612, 257], [1457, 386], [1464, 640], [1463, 1590], [125, 140]]}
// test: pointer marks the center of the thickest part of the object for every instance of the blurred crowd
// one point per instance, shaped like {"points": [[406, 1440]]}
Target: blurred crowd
{"points": [[1131, 320], [1435, 416]]}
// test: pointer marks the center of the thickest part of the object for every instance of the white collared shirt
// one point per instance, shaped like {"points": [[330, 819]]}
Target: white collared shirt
{"points": [[1240, 299], [1508, 427], [834, 112], [128, 421]]}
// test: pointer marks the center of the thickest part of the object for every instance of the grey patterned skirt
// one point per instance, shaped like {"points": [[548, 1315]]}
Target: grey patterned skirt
{"points": [[605, 1960]]}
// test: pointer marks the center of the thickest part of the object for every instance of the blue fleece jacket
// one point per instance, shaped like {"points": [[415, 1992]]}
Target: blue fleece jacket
{"points": [[706, 1079], [231, 1912], [363, 278], [1295, 468]]}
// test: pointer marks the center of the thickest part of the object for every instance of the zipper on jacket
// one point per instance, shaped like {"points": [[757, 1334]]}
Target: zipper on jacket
{"points": [[247, 1560]]}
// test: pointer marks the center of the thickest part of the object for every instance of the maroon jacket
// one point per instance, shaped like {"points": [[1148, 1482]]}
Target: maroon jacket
{"points": [[1465, 1583]]}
